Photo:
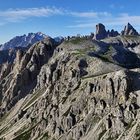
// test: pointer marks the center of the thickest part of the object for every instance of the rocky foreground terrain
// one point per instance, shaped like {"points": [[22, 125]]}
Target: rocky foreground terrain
{"points": [[85, 88]]}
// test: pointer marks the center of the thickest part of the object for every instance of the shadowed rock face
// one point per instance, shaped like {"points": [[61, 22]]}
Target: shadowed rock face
{"points": [[24, 70], [112, 33], [81, 89], [101, 32], [129, 30]]}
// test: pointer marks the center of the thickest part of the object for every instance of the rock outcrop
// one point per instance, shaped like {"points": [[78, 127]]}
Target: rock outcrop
{"points": [[112, 33], [24, 72], [101, 32], [129, 30]]}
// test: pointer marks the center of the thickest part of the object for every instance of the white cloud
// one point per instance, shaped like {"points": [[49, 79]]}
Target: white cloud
{"points": [[119, 20], [18, 15], [89, 14], [85, 18], [14, 15], [84, 14]]}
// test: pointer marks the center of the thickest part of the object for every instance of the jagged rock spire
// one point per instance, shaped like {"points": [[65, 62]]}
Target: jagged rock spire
{"points": [[129, 30], [101, 32]]}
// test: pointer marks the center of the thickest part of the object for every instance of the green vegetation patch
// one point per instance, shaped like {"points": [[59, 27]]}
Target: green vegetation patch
{"points": [[137, 134], [130, 125], [96, 119], [26, 134], [23, 129], [131, 36], [101, 134], [45, 136], [2, 121], [85, 51], [110, 138], [107, 56], [4, 117], [104, 75], [76, 40]]}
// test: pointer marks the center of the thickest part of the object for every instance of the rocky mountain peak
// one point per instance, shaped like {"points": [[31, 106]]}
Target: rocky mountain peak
{"points": [[23, 40], [101, 32], [100, 28], [129, 30]]}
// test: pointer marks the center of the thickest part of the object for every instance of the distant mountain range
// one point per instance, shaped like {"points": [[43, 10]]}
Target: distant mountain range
{"points": [[26, 40]]}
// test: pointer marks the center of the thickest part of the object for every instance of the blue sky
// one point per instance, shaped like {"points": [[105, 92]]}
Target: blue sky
{"points": [[65, 17]]}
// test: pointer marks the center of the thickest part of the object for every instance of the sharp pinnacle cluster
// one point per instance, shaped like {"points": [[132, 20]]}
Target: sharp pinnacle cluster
{"points": [[101, 32]]}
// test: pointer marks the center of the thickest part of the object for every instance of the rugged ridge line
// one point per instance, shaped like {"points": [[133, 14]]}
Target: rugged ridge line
{"points": [[81, 89]]}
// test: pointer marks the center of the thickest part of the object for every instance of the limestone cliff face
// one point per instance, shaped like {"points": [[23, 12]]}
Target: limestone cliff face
{"points": [[22, 78], [74, 91]]}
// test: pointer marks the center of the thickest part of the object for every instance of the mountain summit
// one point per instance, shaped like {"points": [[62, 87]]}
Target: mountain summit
{"points": [[23, 41], [129, 30], [101, 32]]}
